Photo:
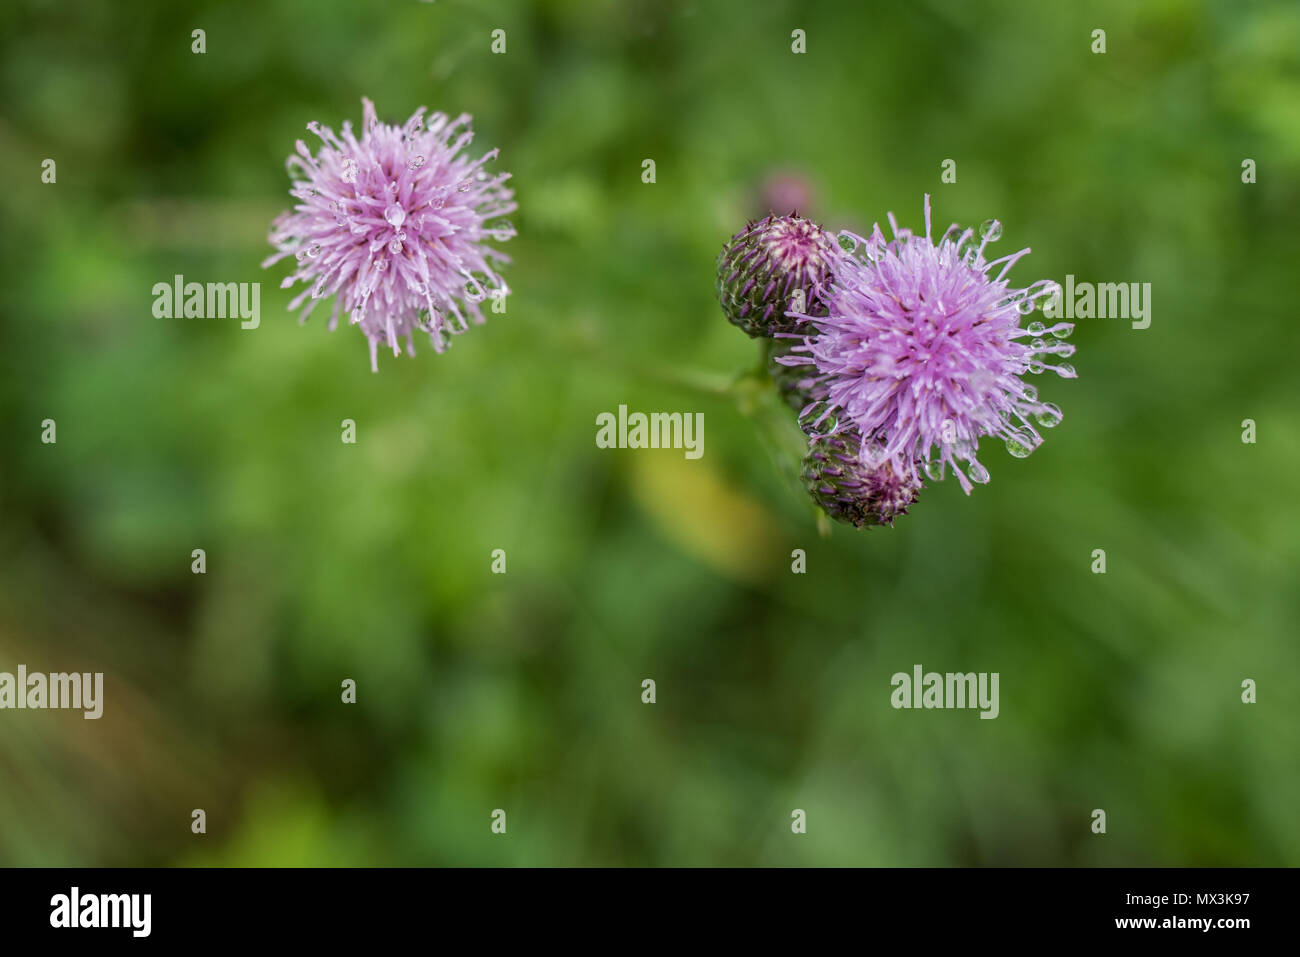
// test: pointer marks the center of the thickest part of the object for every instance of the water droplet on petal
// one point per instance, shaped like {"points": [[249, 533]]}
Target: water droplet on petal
{"points": [[415, 163], [991, 230], [978, 473], [381, 266], [1035, 328], [395, 215], [313, 250], [1030, 393], [1049, 416], [1066, 371], [1019, 447], [1036, 366], [502, 231], [464, 185], [349, 174], [1062, 330], [934, 469], [394, 246], [1026, 306]]}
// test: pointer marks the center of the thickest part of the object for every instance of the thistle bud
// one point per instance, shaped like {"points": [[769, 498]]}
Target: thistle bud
{"points": [[771, 267], [849, 490]]}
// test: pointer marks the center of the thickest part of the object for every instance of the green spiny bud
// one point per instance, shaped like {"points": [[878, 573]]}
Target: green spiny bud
{"points": [[774, 266], [850, 491]]}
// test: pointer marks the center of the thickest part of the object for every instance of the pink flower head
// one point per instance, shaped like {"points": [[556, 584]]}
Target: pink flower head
{"points": [[922, 352], [395, 226]]}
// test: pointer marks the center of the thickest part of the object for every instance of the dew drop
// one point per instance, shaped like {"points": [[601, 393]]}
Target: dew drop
{"points": [[1026, 306], [474, 292], [1036, 366], [349, 174], [395, 215], [1062, 330], [1049, 416], [1030, 393], [464, 185], [813, 422], [978, 473], [934, 470], [381, 266], [394, 246], [848, 243], [1038, 345], [1066, 371], [415, 163], [1018, 447], [1035, 328], [991, 230], [313, 250]]}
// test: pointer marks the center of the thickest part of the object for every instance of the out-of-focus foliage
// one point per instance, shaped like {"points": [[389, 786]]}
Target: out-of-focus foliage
{"points": [[522, 691]]}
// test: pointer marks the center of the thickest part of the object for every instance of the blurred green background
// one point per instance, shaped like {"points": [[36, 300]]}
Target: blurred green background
{"points": [[522, 691]]}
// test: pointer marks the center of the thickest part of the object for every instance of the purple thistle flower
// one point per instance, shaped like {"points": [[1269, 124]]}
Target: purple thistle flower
{"points": [[849, 490], [395, 226], [922, 352], [770, 268]]}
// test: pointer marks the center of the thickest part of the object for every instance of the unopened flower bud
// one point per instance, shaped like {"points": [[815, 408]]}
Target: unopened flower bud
{"points": [[851, 491], [774, 266]]}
